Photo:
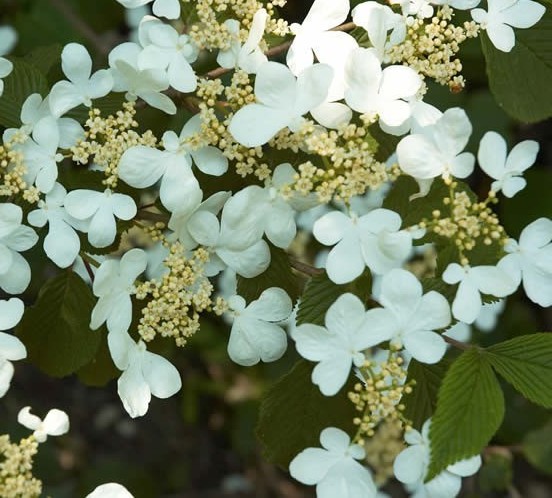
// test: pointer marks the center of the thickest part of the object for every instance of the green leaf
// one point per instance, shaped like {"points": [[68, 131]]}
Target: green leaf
{"points": [[526, 363], [421, 402], [101, 369], [470, 408], [520, 79], [294, 412], [56, 329], [21, 82], [537, 448], [320, 293], [44, 58], [278, 274]]}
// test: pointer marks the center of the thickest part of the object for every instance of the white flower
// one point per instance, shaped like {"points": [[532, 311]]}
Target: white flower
{"points": [[142, 166], [490, 312], [460, 331], [248, 56], [100, 208], [15, 273], [333, 468], [505, 14], [6, 67], [41, 154], [486, 279], [411, 466], [409, 317], [110, 490], [162, 8], [144, 373], [61, 244], [166, 50], [373, 240], [506, 171], [254, 336], [190, 205], [314, 35], [282, 100], [146, 84], [83, 86], [255, 211], [371, 90], [56, 423], [225, 247], [530, 260], [338, 345], [437, 149], [11, 348], [113, 285], [8, 38]]}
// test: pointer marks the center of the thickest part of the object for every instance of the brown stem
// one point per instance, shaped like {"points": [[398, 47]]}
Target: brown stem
{"points": [[456, 344], [277, 50], [88, 270], [305, 268], [67, 11]]}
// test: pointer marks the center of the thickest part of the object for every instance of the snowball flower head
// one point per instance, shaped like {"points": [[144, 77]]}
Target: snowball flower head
{"points": [[255, 336], [56, 423], [334, 467], [409, 317], [338, 345], [282, 101], [11, 348], [505, 14], [506, 170]]}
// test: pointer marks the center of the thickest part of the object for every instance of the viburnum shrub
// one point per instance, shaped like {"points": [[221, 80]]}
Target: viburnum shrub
{"points": [[314, 198]]}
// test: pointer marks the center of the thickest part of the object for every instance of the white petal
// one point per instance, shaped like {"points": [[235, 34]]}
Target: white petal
{"points": [[248, 262], [466, 467], [181, 75], [62, 244], [178, 182], [311, 465], [409, 465], [492, 154], [330, 228], [255, 124], [167, 8], [110, 490], [537, 234], [492, 280], [56, 422], [345, 262], [161, 375], [27, 419], [76, 62], [347, 479], [313, 342], [275, 85], [83, 204], [210, 161], [312, 87], [331, 373], [6, 374], [273, 305], [120, 346], [204, 228], [142, 166], [425, 346], [103, 228], [134, 391], [502, 36], [132, 264], [467, 303], [11, 348], [18, 277], [123, 206], [11, 312]]}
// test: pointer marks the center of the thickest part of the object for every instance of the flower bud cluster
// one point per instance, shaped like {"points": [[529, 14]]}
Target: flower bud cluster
{"points": [[178, 297], [431, 46], [16, 468], [12, 169], [106, 139], [382, 449], [378, 397]]}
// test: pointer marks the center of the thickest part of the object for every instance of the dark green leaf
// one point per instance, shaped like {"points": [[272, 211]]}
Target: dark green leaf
{"points": [[537, 448], [278, 274], [56, 329], [294, 413], [21, 82], [526, 363], [320, 293], [519, 79], [469, 411], [421, 402], [101, 369], [44, 58]]}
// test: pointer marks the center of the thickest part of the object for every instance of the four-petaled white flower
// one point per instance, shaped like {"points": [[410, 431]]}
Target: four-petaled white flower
{"points": [[334, 467], [146, 84], [11, 348], [110, 490], [411, 466], [437, 149], [249, 56], [162, 8], [338, 345], [113, 285], [314, 34], [371, 90], [62, 244], [282, 101], [56, 423], [409, 317], [144, 373], [530, 260], [505, 14], [15, 273], [374, 240], [255, 335], [83, 86], [506, 170], [100, 208], [166, 50], [142, 166], [473, 281]]}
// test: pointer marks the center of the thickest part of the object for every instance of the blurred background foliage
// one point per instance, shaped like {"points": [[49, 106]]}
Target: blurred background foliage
{"points": [[201, 443]]}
